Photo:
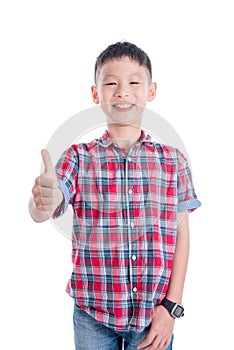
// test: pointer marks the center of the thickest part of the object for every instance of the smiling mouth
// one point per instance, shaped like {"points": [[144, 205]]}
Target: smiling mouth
{"points": [[123, 107]]}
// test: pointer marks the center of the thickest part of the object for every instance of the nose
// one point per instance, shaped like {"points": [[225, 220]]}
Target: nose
{"points": [[122, 92]]}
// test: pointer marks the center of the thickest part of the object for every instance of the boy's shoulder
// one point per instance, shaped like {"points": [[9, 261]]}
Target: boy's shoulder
{"points": [[167, 152], [81, 146]]}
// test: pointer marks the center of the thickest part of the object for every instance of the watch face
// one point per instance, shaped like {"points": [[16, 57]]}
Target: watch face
{"points": [[178, 312]]}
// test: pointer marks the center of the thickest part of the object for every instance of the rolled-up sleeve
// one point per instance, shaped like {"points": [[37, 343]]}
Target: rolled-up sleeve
{"points": [[67, 173], [187, 198]]}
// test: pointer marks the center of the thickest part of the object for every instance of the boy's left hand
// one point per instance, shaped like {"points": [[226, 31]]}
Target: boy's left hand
{"points": [[161, 330]]}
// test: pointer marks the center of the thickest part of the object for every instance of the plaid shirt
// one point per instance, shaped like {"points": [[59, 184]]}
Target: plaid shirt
{"points": [[124, 225]]}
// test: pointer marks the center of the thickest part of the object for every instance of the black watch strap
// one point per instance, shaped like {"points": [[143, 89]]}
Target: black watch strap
{"points": [[176, 310], [169, 305]]}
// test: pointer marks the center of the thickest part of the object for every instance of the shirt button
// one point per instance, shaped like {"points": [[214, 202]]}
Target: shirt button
{"points": [[130, 191], [132, 224], [134, 257], [134, 289], [129, 159]]}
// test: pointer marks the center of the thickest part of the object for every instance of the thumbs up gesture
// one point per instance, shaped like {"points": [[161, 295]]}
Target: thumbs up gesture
{"points": [[46, 194]]}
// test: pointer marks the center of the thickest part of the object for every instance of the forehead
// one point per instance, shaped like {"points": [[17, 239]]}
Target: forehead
{"points": [[123, 66]]}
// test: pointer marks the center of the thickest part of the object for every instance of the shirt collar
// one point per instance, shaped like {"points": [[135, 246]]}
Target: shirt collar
{"points": [[105, 140]]}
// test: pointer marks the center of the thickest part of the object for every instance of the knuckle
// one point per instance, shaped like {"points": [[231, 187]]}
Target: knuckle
{"points": [[35, 190], [39, 207]]}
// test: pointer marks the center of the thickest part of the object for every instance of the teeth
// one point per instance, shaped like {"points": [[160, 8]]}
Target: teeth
{"points": [[123, 105]]}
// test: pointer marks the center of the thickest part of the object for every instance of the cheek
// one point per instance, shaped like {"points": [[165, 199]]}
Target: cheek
{"points": [[143, 89], [100, 96], [105, 95], [143, 94]]}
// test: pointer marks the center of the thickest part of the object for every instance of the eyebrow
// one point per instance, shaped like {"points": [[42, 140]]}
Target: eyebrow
{"points": [[116, 76]]}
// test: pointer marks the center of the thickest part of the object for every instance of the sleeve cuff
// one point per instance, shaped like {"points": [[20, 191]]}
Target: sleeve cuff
{"points": [[189, 205], [65, 191], [63, 206]]}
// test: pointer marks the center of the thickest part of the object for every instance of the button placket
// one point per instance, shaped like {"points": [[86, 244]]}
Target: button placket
{"points": [[132, 257]]}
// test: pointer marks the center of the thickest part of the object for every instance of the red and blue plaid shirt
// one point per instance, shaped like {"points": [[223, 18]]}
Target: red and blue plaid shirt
{"points": [[124, 225]]}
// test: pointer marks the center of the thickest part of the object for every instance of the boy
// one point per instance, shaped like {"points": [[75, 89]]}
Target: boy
{"points": [[130, 251]]}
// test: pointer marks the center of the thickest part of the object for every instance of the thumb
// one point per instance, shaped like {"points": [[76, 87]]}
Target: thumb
{"points": [[49, 169]]}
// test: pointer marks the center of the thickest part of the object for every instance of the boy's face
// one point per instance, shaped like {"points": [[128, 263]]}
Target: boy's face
{"points": [[123, 89]]}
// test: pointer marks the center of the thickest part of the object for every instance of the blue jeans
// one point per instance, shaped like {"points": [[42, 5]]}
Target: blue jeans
{"points": [[90, 334]]}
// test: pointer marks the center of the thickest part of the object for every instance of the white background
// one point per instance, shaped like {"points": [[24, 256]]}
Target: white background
{"points": [[48, 50]]}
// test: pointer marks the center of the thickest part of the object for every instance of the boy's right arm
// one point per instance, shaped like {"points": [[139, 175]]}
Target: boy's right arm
{"points": [[47, 196]]}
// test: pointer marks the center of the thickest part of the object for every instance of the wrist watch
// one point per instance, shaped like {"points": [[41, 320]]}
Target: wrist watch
{"points": [[176, 310]]}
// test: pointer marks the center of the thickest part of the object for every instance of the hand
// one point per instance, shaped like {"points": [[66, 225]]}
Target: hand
{"points": [[46, 194], [161, 330]]}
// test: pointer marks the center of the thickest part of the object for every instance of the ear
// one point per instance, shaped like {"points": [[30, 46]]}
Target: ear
{"points": [[152, 92], [95, 94]]}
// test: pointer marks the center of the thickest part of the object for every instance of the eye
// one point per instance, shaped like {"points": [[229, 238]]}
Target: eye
{"points": [[134, 82], [110, 83]]}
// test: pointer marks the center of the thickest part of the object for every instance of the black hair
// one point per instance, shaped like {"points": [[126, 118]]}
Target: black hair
{"points": [[123, 49]]}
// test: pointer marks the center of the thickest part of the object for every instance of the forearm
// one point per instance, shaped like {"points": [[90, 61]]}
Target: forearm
{"points": [[162, 323], [176, 285]]}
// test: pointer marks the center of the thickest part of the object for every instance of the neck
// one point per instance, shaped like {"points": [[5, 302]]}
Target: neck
{"points": [[124, 135]]}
